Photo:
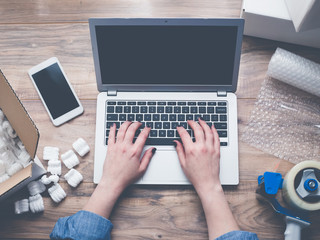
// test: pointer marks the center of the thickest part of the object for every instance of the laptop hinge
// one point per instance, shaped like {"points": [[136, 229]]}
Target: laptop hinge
{"points": [[112, 92], [222, 93]]}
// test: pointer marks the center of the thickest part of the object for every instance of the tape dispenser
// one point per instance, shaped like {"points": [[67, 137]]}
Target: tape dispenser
{"points": [[300, 189]]}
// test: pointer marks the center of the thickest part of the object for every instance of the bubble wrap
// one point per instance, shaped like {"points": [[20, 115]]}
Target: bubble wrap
{"points": [[295, 70], [285, 121]]}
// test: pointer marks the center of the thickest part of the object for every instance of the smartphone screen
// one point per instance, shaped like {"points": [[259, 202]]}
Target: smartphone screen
{"points": [[55, 90]]}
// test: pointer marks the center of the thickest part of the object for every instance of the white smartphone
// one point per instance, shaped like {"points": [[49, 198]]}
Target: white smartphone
{"points": [[55, 91]]}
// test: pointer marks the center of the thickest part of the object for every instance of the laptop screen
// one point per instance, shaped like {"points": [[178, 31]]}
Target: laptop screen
{"points": [[188, 55]]}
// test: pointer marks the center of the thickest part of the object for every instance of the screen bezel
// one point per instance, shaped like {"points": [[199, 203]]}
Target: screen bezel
{"points": [[237, 22], [68, 115]]}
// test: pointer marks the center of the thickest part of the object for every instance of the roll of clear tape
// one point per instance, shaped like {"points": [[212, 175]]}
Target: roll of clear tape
{"points": [[295, 70], [289, 191]]}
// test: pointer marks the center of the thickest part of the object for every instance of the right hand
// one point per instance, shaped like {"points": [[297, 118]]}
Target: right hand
{"points": [[200, 160]]}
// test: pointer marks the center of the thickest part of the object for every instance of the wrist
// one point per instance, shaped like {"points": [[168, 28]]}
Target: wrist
{"points": [[213, 189]]}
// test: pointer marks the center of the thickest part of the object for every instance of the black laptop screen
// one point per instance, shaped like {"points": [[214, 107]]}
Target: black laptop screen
{"points": [[202, 55]]}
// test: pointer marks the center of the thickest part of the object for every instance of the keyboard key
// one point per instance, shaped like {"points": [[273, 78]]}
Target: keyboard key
{"points": [[177, 109], [112, 117], [189, 117], [185, 109], [158, 125], [197, 116], [152, 109], [212, 103], [209, 124], [222, 133], [172, 103], [155, 117], [154, 133], [111, 103], [107, 133], [183, 124], [166, 125], [160, 141], [132, 103], [142, 103], [168, 109], [170, 133], [162, 103], [147, 117], [190, 132], [118, 109], [122, 117], [149, 124], [127, 109], [174, 125], [143, 125], [173, 117], [109, 124], [152, 103], [110, 109], [220, 125], [181, 117], [143, 109], [121, 103], [192, 103], [131, 117], [135, 109], [210, 109], [222, 103], [206, 117], [139, 117], [164, 117], [160, 109], [182, 103], [162, 133], [202, 103], [202, 110], [194, 110], [223, 118], [223, 144], [221, 110], [214, 118]]}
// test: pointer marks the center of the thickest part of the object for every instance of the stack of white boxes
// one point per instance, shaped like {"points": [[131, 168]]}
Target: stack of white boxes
{"points": [[292, 21]]}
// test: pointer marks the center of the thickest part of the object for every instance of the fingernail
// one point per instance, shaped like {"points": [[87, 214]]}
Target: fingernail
{"points": [[174, 144], [154, 150]]}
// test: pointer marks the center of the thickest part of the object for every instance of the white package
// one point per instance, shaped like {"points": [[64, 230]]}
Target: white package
{"points": [[73, 178], [21, 206], [36, 203], [54, 167], [70, 159], [57, 193], [295, 70], [81, 147]]}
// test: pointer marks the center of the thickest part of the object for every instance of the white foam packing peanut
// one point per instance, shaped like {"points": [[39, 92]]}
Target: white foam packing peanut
{"points": [[4, 177], [57, 193], [14, 168], [36, 187], [24, 158], [51, 179], [50, 153], [36, 203], [54, 167], [8, 129], [21, 206], [70, 159], [2, 168], [81, 147], [73, 178]]}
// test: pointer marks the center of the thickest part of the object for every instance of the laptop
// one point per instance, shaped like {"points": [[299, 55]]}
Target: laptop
{"points": [[163, 72]]}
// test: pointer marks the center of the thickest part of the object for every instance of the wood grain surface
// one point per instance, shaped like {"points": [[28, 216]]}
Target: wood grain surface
{"points": [[33, 31]]}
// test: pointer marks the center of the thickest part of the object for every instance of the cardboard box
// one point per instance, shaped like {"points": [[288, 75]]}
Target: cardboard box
{"points": [[305, 14], [270, 19], [28, 134]]}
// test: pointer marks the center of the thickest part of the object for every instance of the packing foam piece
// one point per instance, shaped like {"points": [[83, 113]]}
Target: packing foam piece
{"points": [[21, 206], [54, 178], [70, 159], [4, 177], [36, 203], [295, 71], [14, 168], [50, 153], [81, 147], [3, 146], [73, 178], [9, 158], [57, 193], [36, 187], [24, 158], [8, 128], [51, 179], [2, 168], [45, 180], [54, 167]]}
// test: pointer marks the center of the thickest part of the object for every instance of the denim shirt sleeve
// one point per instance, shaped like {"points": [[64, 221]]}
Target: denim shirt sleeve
{"points": [[238, 235], [82, 225]]}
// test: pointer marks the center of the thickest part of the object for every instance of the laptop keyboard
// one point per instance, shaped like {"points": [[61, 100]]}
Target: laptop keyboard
{"points": [[164, 116]]}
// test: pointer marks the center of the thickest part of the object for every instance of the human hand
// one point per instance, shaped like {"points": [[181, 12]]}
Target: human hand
{"points": [[122, 165], [200, 160]]}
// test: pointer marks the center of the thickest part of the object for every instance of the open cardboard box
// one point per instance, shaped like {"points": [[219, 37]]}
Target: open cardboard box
{"points": [[28, 134]]}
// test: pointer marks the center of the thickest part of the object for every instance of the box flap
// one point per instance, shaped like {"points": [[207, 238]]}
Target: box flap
{"points": [[16, 179], [18, 116]]}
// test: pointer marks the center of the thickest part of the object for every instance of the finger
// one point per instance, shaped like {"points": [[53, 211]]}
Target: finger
{"points": [[207, 131], [180, 152], [197, 130], [122, 130], [185, 137], [141, 140], [112, 135], [131, 131], [146, 159], [216, 140]]}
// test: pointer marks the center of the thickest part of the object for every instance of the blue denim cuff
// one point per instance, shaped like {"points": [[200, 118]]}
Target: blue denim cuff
{"points": [[238, 235]]}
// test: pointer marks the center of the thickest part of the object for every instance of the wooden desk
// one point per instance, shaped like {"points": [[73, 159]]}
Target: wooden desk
{"points": [[32, 31]]}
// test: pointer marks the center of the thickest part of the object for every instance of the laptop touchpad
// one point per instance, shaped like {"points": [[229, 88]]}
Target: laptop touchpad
{"points": [[165, 168]]}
